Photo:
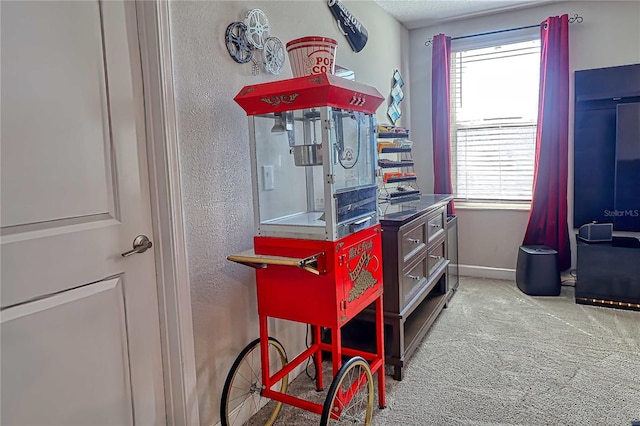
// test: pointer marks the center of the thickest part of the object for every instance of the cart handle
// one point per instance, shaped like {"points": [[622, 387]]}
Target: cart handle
{"points": [[259, 261]]}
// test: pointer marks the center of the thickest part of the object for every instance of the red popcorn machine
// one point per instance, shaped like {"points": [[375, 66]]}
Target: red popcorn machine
{"points": [[317, 249]]}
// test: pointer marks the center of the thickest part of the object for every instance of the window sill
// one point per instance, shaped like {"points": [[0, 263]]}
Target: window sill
{"points": [[465, 205]]}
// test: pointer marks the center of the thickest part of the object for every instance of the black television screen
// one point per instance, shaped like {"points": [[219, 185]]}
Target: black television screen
{"points": [[594, 162], [626, 212], [606, 146]]}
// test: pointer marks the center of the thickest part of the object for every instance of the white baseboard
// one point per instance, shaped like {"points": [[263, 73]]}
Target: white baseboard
{"points": [[487, 272]]}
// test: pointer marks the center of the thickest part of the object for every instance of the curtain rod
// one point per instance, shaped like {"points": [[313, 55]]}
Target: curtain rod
{"points": [[576, 18]]}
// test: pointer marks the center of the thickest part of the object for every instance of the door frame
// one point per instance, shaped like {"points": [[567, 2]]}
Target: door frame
{"points": [[172, 274]]}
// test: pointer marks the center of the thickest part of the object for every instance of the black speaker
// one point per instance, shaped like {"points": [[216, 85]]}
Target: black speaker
{"points": [[537, 272], [596, 232]]}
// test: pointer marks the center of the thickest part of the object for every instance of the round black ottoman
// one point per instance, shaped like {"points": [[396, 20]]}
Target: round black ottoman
{"points": [[537, 272]]}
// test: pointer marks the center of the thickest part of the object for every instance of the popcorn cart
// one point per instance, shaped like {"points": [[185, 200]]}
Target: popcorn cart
{"points": [[317, 249]]}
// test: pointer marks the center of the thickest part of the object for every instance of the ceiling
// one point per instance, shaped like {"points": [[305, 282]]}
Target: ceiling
{"points": [[422, 13]]}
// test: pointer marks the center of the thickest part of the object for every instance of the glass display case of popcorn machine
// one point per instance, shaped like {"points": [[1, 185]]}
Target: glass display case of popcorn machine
{"points": [[313, 156]]}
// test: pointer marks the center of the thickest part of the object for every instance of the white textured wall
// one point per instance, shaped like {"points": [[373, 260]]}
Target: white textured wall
{"points": [[215, 167], [608, 36]]}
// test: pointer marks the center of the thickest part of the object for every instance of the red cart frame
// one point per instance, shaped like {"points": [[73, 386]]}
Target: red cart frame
{"points": [[324, 284]]}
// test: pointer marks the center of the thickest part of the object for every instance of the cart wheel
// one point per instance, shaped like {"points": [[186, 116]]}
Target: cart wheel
{"points": [[242, 392], [345, 404]]}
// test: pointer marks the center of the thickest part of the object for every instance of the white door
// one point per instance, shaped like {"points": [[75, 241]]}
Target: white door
{"points": [[79, 332]]}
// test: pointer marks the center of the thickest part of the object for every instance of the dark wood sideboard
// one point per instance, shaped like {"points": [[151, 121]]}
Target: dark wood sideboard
{"points": [[608, 274], [414, 252]]}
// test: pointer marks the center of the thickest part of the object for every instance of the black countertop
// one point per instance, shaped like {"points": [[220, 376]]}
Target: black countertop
{"points": [[399, 212], [616, 241]]}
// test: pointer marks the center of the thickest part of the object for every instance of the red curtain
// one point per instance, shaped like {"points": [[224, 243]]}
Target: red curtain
{"points": [[440, 116], [548, 217]]}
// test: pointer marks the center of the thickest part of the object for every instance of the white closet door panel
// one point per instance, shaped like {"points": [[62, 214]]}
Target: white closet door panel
{"points": [[56, 137], [79, 360], [67, 257]]}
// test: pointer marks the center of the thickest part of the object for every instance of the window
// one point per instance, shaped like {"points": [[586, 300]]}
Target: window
{"points": [[494, 109]]}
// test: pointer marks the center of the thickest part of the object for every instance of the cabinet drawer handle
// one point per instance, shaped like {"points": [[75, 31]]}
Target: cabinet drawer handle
{"points": [[414, 240], [414, 277], [434, 225], [435, 257]]}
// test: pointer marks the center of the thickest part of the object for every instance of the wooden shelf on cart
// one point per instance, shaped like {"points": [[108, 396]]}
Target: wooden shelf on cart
{"points": [[250, 258]]}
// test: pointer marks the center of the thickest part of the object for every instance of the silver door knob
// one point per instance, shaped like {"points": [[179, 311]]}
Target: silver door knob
{"points": [[140, 244]]}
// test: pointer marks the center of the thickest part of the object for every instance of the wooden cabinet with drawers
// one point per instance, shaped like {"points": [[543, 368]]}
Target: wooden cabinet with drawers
{"points": [[415, 264], [414, 247]]}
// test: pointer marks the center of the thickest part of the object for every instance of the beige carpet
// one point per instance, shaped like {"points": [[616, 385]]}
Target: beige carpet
{"points": [[499, 357]]}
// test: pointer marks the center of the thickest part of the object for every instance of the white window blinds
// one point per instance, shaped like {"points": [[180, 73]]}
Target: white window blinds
{"points": [[494, 105]]}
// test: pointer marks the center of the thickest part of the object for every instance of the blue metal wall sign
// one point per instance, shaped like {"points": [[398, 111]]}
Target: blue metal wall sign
{"points": [[349, 25]]}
